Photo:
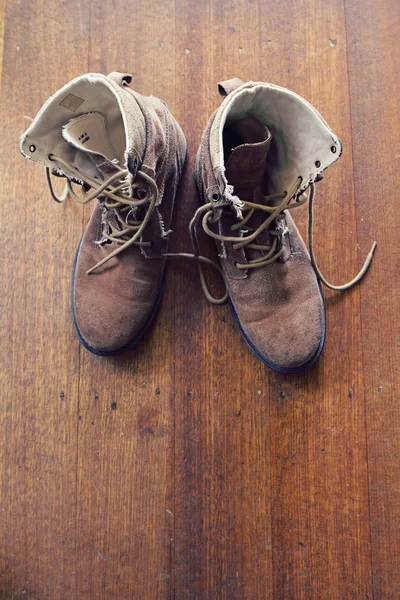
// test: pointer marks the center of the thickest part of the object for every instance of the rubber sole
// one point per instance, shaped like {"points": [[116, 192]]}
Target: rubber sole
{"points": [[269, 363]]}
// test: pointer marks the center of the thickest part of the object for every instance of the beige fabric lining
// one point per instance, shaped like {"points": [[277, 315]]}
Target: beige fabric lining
{"points": [[86, 94], [89, 133], [303, 145]]}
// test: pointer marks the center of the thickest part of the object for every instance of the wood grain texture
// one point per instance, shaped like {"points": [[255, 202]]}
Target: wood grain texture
{"points": [[321, 529], [374, 71], [187, 469], [126, 432], [2, 19], [40, 358]]}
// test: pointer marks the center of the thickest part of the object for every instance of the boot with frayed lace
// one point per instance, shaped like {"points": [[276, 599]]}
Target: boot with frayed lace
{"points": [[128, 152], [260, 152]]}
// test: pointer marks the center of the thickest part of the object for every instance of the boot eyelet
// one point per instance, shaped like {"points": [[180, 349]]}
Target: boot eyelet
{"points": [[318, 164], [32, 148], [333, 149], [215, 197]]}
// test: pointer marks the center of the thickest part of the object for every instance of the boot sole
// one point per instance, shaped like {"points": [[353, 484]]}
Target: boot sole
{"points": [[272, 365]]}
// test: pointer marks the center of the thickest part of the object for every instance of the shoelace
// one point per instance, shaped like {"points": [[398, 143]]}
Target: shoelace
{"points": [[275, 213], [130, 233], [114, 199]]}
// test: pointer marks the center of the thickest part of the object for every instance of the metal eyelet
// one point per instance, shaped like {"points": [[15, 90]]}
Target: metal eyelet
{"points": [[318, 164], [333, 149], [32, 148], [215, 197]]}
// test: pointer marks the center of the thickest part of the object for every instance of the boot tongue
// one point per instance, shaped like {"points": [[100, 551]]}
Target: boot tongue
{"points": [[88, 133], [245, 167]]}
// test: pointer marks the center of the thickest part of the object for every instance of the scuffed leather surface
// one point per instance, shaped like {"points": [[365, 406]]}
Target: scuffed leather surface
{"points": [[279, 306], [113, 304]]}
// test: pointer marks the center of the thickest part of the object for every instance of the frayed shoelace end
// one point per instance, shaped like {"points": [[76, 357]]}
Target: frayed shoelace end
{"points": [[234, 200]]}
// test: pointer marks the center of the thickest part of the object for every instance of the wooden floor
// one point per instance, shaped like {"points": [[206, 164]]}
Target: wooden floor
{"points": [[187, 469]]}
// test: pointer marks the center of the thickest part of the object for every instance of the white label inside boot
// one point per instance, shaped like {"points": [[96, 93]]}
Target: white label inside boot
{"points": [[88, 132]]}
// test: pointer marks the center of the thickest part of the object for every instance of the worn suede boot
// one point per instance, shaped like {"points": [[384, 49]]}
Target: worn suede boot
{"points": [[260, 152], [127, 151]]}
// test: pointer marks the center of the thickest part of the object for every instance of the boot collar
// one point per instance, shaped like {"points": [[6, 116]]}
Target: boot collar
{"points": [[82, 97], [303, 144]]}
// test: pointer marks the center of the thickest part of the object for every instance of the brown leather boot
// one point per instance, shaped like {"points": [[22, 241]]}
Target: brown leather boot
{"points": [[259, 153], [127, 151]]}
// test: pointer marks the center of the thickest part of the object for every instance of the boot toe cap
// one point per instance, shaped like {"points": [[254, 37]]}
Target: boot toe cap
{"points": [[287, 340], [111, 318], [105, 334]]}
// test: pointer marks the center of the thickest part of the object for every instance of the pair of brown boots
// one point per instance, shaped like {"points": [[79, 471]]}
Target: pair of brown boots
{"points": [[261, 150]]}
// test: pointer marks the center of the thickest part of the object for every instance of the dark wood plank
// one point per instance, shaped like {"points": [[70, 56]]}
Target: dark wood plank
{"points": [[321, 536], [2, 21], [125, 519], [222, 490], [40, 365], [372, 32]]}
